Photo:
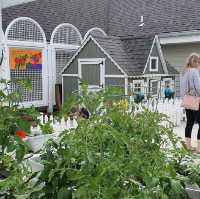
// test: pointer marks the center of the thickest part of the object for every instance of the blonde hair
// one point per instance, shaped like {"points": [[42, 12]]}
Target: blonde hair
{"points": [[191, 60]]}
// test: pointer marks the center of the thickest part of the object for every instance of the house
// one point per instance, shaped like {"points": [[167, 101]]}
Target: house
{"points": [[58, 28], [129, 63]]}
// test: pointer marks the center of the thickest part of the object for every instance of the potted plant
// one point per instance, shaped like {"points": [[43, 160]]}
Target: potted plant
{"points": [[37, 142]]}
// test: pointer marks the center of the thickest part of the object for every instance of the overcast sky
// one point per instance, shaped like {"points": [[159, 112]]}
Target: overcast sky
{"points": [[13, 2]]}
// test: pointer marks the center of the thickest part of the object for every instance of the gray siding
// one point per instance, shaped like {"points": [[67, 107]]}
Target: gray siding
{"points": [[155, 53], [118, 82], [176, 54], [70, 84], [91, 50], [94, 74]]}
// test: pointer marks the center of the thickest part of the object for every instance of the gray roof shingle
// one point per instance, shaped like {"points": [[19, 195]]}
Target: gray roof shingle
{"points": [[116, 17], [130, 53], [171, 69], [160, 16]]}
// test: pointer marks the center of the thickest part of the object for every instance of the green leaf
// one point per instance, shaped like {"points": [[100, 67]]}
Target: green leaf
{"points": [[64, 193]]}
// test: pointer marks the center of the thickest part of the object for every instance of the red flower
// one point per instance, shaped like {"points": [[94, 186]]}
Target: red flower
{"points": [[21, 134]]}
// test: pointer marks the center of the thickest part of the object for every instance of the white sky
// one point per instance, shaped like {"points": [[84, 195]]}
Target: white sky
{"points": [[13, 2]]}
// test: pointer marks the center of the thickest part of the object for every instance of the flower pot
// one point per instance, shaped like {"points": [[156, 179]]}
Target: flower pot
{"points": [[193, 193], [35, 163], [37, 142]]}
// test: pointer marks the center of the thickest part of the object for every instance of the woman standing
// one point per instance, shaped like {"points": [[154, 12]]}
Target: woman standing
{"points": [[190, 85]]}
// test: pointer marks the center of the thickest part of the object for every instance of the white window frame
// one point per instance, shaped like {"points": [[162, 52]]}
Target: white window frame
{"points": [[91, 61], [151, 81], [151, 69], [138, 82]]}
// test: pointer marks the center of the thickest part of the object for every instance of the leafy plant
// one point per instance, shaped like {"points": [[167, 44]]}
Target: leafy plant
{"points": [[12, 120], [14, 176], [47, 128], [115, 154], [16, 181]]}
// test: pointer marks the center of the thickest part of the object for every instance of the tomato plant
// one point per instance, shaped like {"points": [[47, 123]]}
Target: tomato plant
{"points": [[14, 175], [115, 154]]}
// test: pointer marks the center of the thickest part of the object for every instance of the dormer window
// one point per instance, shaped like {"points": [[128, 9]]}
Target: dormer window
{"points": [[153, 64]]}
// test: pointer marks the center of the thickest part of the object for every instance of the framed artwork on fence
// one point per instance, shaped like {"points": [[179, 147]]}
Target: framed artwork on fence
{"points": [[27, 64], [24, 59]]}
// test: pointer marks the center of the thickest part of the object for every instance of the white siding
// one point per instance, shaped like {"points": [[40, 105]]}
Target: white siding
{"points": [[7, 3], [177, 54]]}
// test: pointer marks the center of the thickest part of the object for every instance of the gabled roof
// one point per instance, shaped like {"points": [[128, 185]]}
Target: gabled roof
{"points": [[116, 17], [129, 53]]}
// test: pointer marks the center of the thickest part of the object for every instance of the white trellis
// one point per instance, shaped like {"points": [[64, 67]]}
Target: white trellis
{"points": [[95, 32], [25, 34], [2, 67], [65, 41]]}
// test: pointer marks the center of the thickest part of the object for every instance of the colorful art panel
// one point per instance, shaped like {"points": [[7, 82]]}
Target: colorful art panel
{"points": [[24, 59]]}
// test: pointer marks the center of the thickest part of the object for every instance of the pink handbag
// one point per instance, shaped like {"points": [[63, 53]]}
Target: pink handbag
{"points": [[190, 102]]}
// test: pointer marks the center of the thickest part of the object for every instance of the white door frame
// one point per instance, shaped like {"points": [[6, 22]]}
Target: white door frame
{"points": [[97, 61]]}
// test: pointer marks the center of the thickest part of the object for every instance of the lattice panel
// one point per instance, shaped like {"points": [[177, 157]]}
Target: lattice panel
{"points": [[36, 77], [62, 57], [67, 35], [25, 30]]}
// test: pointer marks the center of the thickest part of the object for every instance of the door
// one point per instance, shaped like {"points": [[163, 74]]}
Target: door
{"points": [[91, 71]]}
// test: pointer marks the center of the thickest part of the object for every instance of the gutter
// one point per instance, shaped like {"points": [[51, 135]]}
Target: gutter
{"points": [[180, 37]]}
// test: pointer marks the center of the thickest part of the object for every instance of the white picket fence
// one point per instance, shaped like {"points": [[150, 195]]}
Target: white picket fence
{"points": [[171, 108]]}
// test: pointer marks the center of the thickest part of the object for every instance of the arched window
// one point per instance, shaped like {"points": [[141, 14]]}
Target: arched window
{"points": [[27, 53], [66, 34], [65, 40], [25, 29], [95, 32]]}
